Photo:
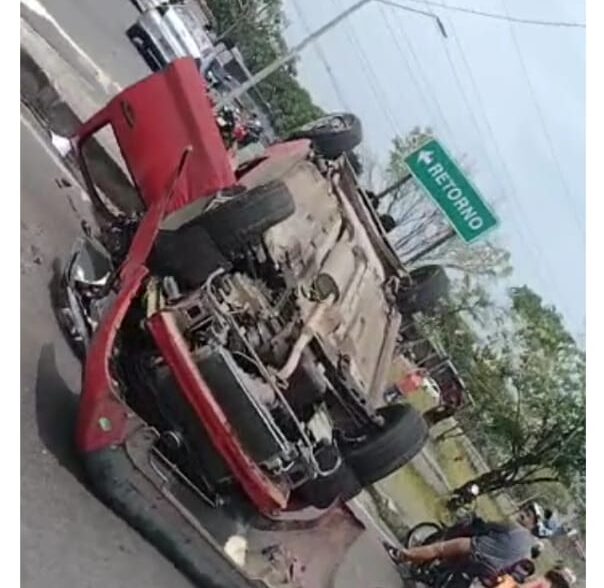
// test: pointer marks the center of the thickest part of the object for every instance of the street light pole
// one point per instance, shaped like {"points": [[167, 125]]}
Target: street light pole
{"points": [[296, 49]]}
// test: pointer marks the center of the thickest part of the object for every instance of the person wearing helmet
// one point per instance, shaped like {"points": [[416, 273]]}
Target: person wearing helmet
{"points": [[487, 550], [547, 524]]}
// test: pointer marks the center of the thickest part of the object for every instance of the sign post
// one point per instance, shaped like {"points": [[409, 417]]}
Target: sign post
{"points": [[451, 191]]}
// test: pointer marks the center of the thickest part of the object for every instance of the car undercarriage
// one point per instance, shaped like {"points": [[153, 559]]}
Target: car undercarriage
{"points": [[257, 330], [236, 335]]}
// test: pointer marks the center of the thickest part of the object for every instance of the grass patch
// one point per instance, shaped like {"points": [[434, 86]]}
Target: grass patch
{"points": [[454, 462], [422, 401], [458, 469], [413, 496]]}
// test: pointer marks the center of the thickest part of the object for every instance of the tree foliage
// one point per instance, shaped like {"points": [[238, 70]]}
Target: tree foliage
{"points": [[259, 38], [527, 378]]}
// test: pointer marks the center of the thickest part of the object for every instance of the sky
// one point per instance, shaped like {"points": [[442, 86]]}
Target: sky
{"points": [[510, 97]]}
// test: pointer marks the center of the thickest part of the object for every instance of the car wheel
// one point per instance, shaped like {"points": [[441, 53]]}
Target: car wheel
{"points": [[138, 37], [397, 442], [428, 286], [332, 135], [244, 217]]}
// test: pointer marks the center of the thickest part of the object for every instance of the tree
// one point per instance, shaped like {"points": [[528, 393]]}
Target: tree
{"points": [[451, 322], [531, 399], [260, 41], [486, 258], [548, 447]]}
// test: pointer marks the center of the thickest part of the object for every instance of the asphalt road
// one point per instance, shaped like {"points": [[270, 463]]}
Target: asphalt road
{"points": [[98, 28], [68, 538]]}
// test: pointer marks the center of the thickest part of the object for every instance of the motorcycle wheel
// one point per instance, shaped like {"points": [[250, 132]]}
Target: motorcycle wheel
{"points": [[422, 534]]}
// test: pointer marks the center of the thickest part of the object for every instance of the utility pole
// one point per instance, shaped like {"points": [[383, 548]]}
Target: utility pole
{"points": [[435, 245], [393, 187], [296, 49]]}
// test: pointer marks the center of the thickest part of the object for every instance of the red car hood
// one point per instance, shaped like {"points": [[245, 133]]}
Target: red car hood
{"points": [[154, 122]]}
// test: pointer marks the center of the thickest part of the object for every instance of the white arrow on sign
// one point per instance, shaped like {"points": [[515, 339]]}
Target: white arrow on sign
{"points": [[425, 157]]}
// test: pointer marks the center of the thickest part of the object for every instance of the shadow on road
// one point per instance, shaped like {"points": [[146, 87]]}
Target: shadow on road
{"points": [[56, 410]]}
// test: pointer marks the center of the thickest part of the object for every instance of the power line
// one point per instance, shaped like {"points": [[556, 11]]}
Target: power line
{"points": [[323, 58], [375, 87], [464, 97], [535, 250], [414, 79], [546, 134], [495, 16], [530, 245]]}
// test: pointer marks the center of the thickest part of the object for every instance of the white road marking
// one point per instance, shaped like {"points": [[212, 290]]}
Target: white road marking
{"points": [[53, 156], [110, 86]]}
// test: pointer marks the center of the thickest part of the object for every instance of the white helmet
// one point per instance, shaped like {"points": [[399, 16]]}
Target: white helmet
{"points": [[537, 510]]}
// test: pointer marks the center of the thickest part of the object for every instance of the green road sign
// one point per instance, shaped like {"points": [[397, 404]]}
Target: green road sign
{"points": [[446, 184]]}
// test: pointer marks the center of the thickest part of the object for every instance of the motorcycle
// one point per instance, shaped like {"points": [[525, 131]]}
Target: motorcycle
{"points": [[235, 131], [464, 499], [445, 575]]}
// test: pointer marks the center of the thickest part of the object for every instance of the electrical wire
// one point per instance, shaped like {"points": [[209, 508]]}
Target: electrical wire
{"points": [[430, 95], [543, 267], [536, 253], [376, 86], [323, 58], [580, 222], [495, 16]]}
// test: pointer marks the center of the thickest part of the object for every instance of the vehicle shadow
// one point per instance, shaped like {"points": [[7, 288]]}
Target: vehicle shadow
{"points": [[56, 409]]}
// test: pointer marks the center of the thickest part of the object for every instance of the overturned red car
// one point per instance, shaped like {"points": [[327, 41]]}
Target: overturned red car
{"points": [[237, 334]]}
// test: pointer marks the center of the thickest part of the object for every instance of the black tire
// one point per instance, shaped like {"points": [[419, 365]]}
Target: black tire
{"points": [[139, 38], [177, 254], [229, 43], [429, 285], [331, 141], [244, 218], [323, 492], [403, 435], [422, 533]]}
